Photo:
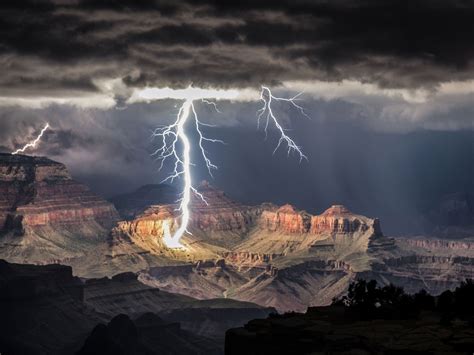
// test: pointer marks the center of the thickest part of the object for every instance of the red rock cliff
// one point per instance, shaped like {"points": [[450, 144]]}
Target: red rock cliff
{"points": [[285, 219], [336, 219], [36, 191]]}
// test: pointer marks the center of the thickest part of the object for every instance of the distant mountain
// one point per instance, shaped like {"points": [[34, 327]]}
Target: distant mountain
{"points": [[452, 216], [133, 203]]}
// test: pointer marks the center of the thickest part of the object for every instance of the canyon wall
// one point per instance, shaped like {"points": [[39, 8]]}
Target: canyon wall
{"points": [[46, 215], [36, 191], [336, 219]]}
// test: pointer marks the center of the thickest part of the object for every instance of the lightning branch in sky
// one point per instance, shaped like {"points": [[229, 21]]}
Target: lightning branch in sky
{"points": [[266, 113], [176, 146], [33, 143]]}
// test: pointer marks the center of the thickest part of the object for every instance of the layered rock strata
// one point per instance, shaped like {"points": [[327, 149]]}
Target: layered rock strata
{"points": [[36, 191], [336, 219], [45, 214]]}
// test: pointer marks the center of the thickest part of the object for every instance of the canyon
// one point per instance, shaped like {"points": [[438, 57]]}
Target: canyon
{"points": [[273, 256]]}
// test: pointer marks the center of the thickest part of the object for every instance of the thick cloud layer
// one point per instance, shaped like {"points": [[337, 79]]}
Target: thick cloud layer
{"points": [[61, 48]]}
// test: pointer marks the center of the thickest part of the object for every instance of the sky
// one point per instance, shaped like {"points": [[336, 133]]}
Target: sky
{"points": [[388, 87]]}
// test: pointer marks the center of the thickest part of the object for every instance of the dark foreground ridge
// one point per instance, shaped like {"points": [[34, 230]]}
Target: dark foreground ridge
{"points": [[368, 320], [47, 310]]}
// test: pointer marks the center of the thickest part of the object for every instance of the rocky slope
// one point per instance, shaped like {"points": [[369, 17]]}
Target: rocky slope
{"points": [[45, 214], [42, 310], [126, 294], [47, 310]]}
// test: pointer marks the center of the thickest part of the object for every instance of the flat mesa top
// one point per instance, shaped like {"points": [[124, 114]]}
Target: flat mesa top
{"points": [[7, 158]]}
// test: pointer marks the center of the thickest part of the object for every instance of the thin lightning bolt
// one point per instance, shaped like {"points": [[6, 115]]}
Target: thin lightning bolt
{"points": [[174, 134], [266, 112], [33, 143]]}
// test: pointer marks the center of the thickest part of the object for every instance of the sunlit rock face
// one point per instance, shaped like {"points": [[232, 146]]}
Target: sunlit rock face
{"points": [[338, 219], [147, 229], [151, 222], [218, 220], [285, 219], [44, 213]]}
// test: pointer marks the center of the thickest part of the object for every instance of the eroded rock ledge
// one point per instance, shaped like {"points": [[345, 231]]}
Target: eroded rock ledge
{"points": [[37, 192]]}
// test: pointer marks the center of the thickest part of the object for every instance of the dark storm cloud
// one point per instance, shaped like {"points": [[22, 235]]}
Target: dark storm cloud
{"points": [[68, 44]]}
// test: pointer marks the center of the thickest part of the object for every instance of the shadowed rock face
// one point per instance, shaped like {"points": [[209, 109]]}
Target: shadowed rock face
{"points": [[46, 310], [147, 335], [42, 309], [44, 213], [124, 293], [451, 216], [326, 330]]}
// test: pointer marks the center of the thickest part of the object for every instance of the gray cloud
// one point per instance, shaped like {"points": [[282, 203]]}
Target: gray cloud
{"points": [[53, 46]]}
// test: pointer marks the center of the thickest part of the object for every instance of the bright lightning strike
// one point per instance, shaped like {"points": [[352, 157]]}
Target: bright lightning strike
{"points": [[174, 135], [33, 143], [170, 136]]}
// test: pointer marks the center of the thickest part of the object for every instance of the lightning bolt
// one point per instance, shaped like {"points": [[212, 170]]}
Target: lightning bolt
{"points": [[266, 112], [174, 135], [171, 136], [33, 143]]}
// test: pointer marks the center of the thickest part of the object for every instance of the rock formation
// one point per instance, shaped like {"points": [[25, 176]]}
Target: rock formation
{"points": [[284, 258], [44, 213], [218, 212], [38, 191], [47, 310], [42, 309], [285, 219], [338, 219]]}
